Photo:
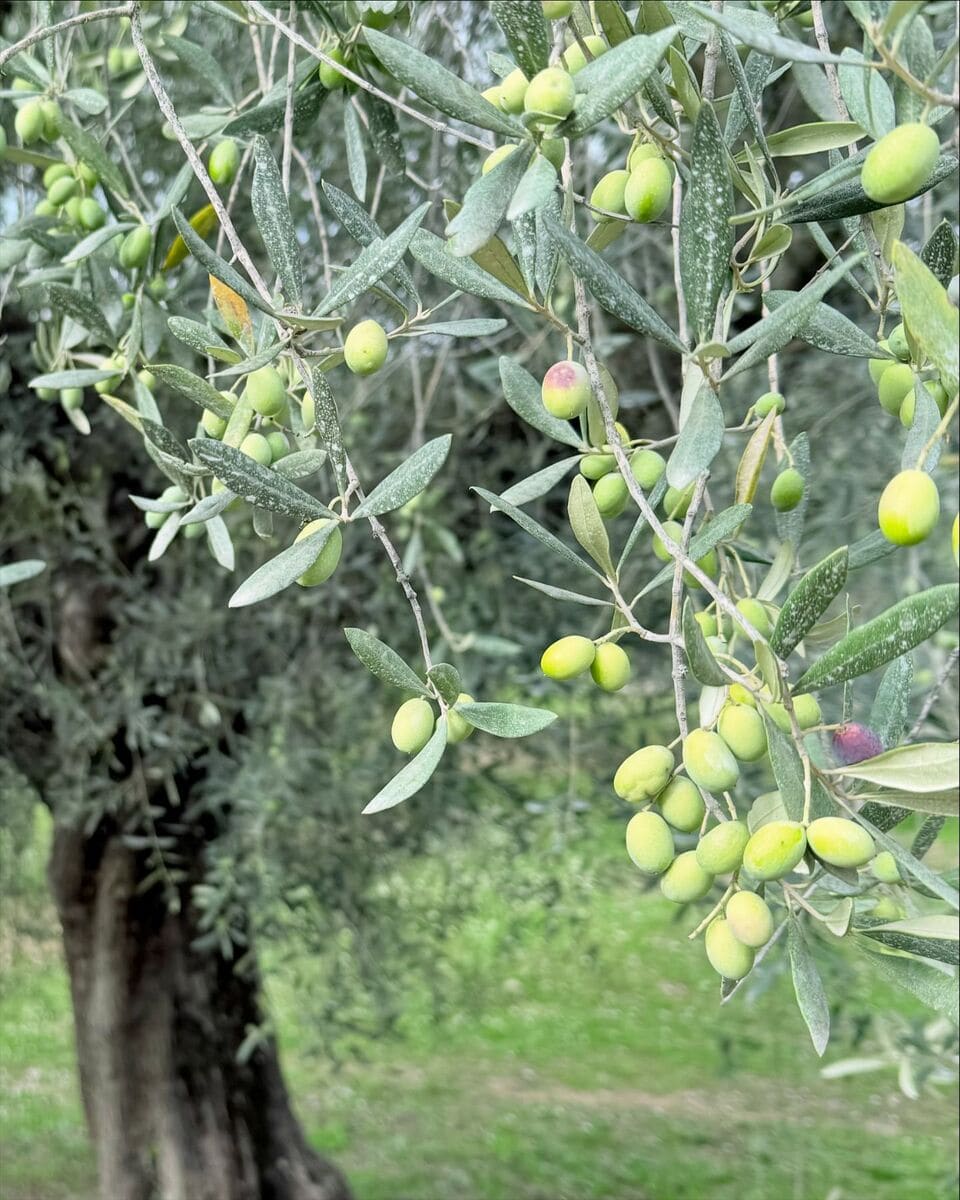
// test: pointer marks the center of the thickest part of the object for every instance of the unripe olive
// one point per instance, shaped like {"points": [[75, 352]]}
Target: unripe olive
{"points": [[681, 804], [43, 208], [128, 300], [29, 122], [676, 501], [213, 426], [756, 614], [87, 175], [553, 150], [135, 248], [644, 774], [641, 152], [727, 955], [894, 384], [492, 96], [769, 402], [497, 156], [55, 171], [885, 868], [224, 162], [787, 490], [611, 495], [674, 531], [565, 389], [153, 520], [365, 348], [897, 343], [574, 59], [909, 508], [115, 61], [840, 842], [900, 163], [743, 731], [595, 466], [648, 190], [708, 624], [685, 880], [412, 726], [853, 743], [157, 287], [877, 366], [709, 762], [266, 392], [279, 446], [194, 530], [556, 10], [568, 657], [610, 668], [148, 379], [721, 848], [740, 695], [750, 919], [774, 850], [458, 729], [513, 89], [609, 192], [329, 557], [45, 393], [308, 411], [52, 117], [256, 446], [60, 191], [71, 398], [117, 362], [887, 909], [649, 842], [647, 467], [90, 215], [805, 709], [550, 94], [330, 77]]}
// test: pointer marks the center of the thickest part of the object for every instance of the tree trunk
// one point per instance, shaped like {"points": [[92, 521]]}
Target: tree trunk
{"points": [[172, 1112]]}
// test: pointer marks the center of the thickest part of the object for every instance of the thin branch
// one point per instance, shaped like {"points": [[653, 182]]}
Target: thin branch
{"points": [[46, 31], [288, 110], [934, 693]]}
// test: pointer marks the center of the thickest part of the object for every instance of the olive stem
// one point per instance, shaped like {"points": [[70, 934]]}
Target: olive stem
{"points": [[717, 908], [940, 430]]}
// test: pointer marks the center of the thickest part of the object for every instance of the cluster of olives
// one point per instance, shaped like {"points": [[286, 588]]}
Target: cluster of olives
{"points": [[38, 119], [414, 723], [571, 656], [122, 60], [71, 398], [641, 190], [752, 859], [894, 377]]}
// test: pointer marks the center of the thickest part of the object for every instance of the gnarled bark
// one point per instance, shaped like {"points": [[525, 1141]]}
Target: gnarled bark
{"points": [[172, 1112]]}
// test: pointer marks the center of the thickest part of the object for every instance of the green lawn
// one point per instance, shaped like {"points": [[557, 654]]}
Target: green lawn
{"points": [[594, 1065]]}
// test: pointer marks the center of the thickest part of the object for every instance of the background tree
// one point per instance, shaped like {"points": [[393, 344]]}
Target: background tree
{"points": [[159, 788]]}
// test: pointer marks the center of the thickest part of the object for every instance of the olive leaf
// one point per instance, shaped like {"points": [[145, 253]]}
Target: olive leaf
{"points": [[935, 936], [923, 767], [934, 322], [526, 31], [446, 679], [889, 711], [485, 204], [910, 864], [364, 229], [507, 720], [892, 633], [407, 481], [703, 666], [701, 436], [430, 81], [461, 273], [202, 338], [529, 525], [81, 308], [19, 572], [723, 525], [828, 329], [279, 572], [372, 263], [258, 485], [750, 466], [622, 74], [415, 774], [557, 593], [214, 265], [540, 482], [866, 94], [587, 524], [939, 252], [383, 662], [848, 199], [610, 290], [808, 601], [808, 986], [356, 159], [193, 387], [271, 211], [706, 236], [934, 988]]}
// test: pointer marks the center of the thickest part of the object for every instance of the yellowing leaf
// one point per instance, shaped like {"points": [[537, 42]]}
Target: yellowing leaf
{"points": [[233, 309], [752, 459], [204, 221]]}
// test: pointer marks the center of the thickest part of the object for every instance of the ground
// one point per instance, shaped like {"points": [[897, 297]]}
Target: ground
{"points": [[593, 1065]]}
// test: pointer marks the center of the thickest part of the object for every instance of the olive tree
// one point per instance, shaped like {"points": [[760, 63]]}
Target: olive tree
{"points": [[221, 278]]}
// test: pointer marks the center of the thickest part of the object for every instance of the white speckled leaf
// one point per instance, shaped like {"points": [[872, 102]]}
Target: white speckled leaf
{"points": [[811, 998], [507, 720], [701, 437], [272, 213], [485, 204], [808, 601], [526, 31], [258, 485], [384, 662], [461, 273], [372, 263], [706, 237], [622, 73], [407, 481]]}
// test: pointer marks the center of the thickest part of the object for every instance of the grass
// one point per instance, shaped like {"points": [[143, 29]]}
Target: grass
{"points": [[594, 1065]]}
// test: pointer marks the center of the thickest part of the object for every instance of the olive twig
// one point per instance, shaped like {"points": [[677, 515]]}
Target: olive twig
{"points": [[47, 31]]}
